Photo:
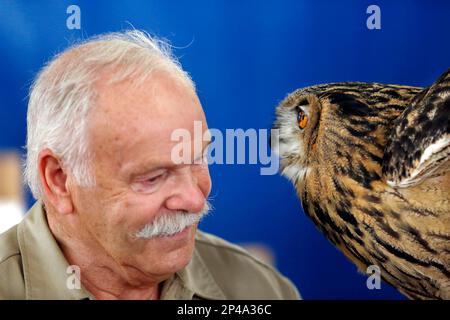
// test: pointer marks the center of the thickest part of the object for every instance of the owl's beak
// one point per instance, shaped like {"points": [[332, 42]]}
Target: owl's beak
{"points": [[269, 139]]}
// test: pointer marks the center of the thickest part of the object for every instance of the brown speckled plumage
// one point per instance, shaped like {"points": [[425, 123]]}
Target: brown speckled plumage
{"points": [[372, 170]]}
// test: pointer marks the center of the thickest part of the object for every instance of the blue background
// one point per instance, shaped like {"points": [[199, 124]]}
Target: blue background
{"points": [[245, 56]]}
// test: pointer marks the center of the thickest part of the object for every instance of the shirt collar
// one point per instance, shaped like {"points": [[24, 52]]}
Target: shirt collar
{"points": [[194, 281], [44, 265], [47, 276]]}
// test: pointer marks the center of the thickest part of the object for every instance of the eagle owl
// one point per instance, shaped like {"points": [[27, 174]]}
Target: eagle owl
{"points": [[371, 165]]}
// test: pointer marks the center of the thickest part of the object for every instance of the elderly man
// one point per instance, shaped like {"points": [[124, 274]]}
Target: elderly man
{"points": [[116, 218]]}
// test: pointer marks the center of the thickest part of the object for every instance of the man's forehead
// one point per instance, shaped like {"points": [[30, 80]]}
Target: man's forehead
{"points": [[129, 120], [160, 94], [159, 101]]}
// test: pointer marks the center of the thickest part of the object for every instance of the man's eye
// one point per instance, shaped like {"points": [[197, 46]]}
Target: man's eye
{"points": [[150, 184], [154, 179]]}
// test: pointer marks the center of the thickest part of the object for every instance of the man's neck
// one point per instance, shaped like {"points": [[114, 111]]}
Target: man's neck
{"points": [[100, 274], [125, 292]]}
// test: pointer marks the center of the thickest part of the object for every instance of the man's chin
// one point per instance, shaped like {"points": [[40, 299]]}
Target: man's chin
{"points": [[176, 247]]}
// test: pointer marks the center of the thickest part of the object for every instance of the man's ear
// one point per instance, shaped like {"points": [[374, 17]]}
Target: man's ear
{"points": [[54, 182]]}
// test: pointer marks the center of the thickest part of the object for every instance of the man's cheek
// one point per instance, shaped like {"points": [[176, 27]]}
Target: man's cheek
{"points": [[135, 216]]}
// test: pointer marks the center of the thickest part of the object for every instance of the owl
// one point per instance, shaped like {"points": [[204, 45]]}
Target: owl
{"points": [[370, 163]]}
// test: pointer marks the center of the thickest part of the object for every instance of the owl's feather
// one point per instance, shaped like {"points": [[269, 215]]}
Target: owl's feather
{"points": [[336, 164], [419, 144]]}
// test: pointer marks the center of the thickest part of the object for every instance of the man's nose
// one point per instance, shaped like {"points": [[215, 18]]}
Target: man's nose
{"points": [[187, 197]]}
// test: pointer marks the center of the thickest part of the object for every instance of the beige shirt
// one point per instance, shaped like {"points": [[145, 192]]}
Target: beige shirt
{"points": [[32, 266]]}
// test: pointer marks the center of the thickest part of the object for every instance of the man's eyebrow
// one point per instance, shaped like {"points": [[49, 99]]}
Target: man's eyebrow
{"points": [[149, 167]]}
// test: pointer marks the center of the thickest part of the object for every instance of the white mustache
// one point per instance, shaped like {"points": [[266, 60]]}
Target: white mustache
{"points": [[171, 223]]}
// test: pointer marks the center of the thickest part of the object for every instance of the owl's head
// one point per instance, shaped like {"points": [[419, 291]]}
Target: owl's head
{"points": [[331, 127], [336, 128], [298, 119]]}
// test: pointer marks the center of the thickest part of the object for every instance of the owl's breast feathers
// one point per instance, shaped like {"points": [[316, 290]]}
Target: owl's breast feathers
{"points": [[404, 231]]}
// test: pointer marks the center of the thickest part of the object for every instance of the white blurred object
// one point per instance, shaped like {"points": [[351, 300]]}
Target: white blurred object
{"points": [[261, 251], [11, 213], [11, 191]]}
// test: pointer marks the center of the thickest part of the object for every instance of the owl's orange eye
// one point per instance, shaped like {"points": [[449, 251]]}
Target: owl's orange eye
{"points": [[302, 119]]}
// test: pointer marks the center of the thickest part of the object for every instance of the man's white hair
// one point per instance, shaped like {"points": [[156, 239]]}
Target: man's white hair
{"points": [[63, 92]]}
